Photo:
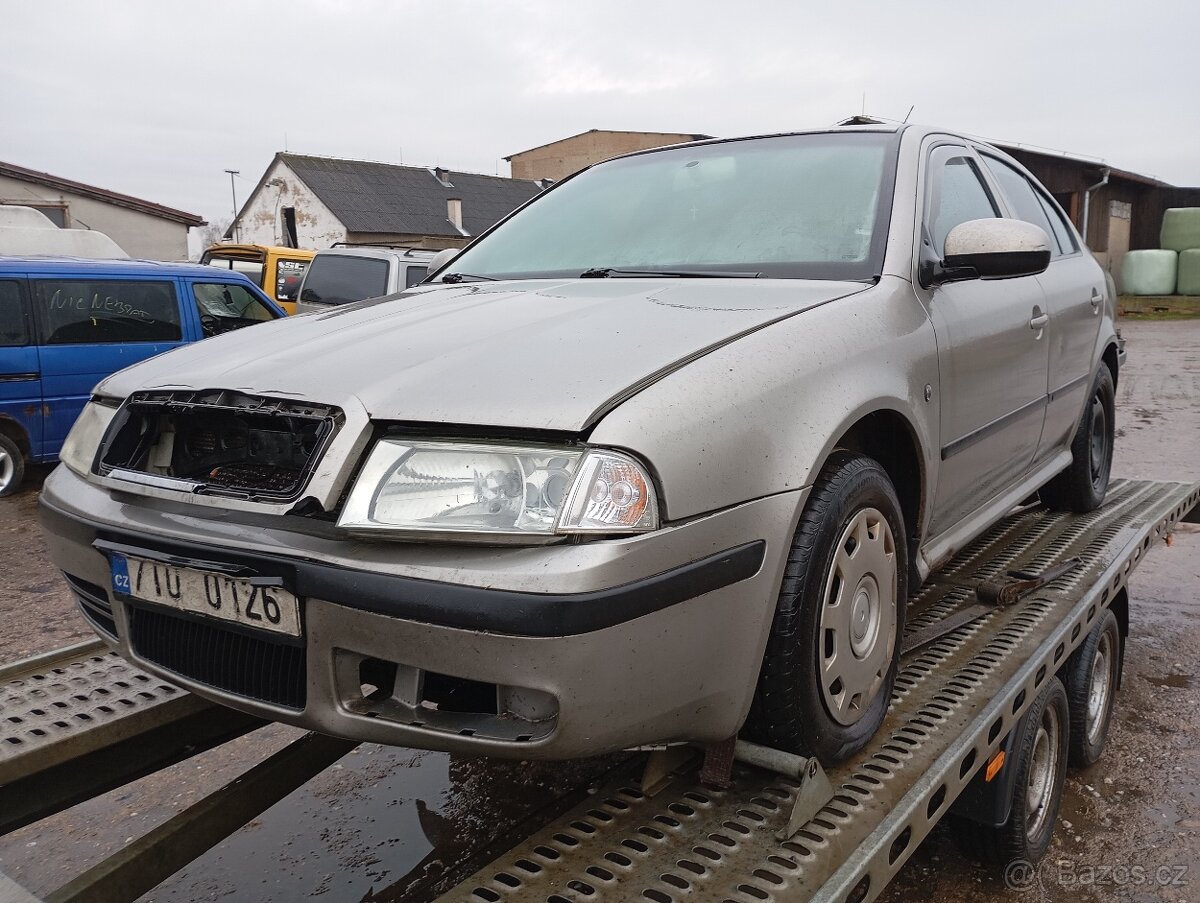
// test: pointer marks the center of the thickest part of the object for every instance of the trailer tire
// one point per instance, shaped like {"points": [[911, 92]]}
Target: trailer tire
{"points": [[1082, 486], [1092, 674], [12, 466], [842, 599], [1041, 755]]}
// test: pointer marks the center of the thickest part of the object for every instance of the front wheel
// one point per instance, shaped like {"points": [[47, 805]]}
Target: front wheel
{"points": [[832, 655], [12, 466], [1081, 487]]}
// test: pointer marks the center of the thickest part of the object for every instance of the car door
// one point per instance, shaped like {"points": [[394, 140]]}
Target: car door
{"points": [[1074, 288], [20, 371], [992, 357], [91, 326]]}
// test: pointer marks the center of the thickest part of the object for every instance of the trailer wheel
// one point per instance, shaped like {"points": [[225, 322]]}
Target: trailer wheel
{"points": [[1041, 754], [832, 655], [12, 466], [1092, 674]]}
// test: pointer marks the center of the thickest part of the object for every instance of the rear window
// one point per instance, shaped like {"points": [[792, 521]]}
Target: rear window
{"points": [[77, 312], [340, 279]]}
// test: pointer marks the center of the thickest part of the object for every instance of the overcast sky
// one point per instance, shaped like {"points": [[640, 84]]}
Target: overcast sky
{"points": [[156, 99]]}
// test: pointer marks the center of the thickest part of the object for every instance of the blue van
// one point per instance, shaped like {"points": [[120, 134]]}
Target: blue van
{"points": [[66, 323]]}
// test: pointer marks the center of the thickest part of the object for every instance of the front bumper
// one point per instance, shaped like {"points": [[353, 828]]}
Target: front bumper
{"points": [[551, 652]]}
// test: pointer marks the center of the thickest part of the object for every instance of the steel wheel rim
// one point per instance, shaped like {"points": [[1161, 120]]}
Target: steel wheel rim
{"points": [[857, 631], [8, 467], [1099, 687], [1043, 774], [1098, 446]]}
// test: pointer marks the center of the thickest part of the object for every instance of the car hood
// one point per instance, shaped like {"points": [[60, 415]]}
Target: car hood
{"points": [[553, 355]]}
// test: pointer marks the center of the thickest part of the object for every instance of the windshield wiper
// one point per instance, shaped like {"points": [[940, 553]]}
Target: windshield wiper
{"points": [[466, 277], [606, 272]]}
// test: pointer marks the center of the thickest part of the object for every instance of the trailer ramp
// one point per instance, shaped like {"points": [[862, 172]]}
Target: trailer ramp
{"points": [[955, 701]]}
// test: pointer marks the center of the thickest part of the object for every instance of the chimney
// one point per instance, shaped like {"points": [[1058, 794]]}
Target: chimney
{"points": [[441, 175], [454, 213]]}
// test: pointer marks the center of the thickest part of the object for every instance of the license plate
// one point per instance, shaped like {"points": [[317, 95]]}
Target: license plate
{"points": [[215, 595]]}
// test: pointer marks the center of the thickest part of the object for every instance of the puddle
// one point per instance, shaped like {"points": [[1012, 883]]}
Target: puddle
{"points": [[384, 824], [1173, 681]]}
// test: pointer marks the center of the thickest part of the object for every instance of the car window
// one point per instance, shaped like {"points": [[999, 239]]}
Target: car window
{"points": [[14, 327], [253, 269], [796, 206], [87, 311], [1024, 200], [957, 195], [340, 279], [225, 307], [1062, 232], [288, 276], [414, 275]]}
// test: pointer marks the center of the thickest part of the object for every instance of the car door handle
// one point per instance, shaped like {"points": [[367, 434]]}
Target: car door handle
{"points": [[1095, 301], [1039, 321]]}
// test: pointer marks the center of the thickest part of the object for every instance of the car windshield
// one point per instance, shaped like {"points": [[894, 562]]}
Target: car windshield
{"points": [[803, 206]]}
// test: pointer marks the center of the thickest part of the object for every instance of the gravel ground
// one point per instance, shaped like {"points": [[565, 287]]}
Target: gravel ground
{"points": [[1129, 829]]}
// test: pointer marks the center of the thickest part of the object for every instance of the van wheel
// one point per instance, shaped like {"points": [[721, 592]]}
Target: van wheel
{"points": [[1081, 487], [1092, 674], [832, 655], [12, 466]]}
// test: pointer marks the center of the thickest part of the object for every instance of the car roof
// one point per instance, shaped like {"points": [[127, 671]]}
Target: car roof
{"points": [[413, 255], [84, 265]]}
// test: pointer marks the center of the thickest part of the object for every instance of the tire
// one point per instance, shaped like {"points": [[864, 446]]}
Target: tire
{"points": [[12, 467], [1026, 835], [1092, 674], [826, 682], [1081, 487]]}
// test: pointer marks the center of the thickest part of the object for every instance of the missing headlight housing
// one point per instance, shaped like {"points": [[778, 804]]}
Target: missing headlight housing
{"points": [[220, 443]]}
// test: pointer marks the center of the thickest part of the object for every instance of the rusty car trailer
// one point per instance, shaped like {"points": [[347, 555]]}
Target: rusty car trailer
{"points": [[80, 721]]}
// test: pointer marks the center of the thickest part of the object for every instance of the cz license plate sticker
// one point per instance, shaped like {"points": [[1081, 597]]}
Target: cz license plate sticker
{"points": [[209, 593]]}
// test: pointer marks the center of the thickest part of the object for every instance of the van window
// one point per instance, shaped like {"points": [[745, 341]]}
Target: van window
{"points": [[288, 276], [225, 307], [77, 311], [14, 330], [415, 275], [340, 279]]}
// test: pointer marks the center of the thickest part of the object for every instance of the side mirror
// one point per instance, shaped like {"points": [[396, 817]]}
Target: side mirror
{"points": [[994, 249], [441, 258]]}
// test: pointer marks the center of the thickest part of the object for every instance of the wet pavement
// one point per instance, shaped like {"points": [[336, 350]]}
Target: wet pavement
{"points": [[393, 824]]}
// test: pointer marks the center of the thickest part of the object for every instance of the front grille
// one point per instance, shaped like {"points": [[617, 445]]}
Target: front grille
{"points": [[237, 663], [93, 603]]}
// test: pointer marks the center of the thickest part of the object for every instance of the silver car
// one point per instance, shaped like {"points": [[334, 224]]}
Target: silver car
{"points": [[659, 458]]}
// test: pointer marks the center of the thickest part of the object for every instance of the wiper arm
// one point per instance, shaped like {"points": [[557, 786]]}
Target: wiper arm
{"points": [[606, 272], [466, 277]]}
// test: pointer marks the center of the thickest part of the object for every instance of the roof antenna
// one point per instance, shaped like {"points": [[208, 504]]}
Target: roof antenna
{"points": [[864, 106], [909, 113]]}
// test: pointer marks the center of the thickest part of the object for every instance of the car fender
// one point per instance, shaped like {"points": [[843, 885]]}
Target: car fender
{"points": [[760, 416]]}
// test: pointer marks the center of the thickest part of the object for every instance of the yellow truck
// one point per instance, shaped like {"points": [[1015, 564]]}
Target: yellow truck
{"points": [[279, 271]]}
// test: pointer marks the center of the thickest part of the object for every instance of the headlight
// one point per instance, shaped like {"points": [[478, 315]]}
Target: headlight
{"points": [[498, 490], [79, 450]]}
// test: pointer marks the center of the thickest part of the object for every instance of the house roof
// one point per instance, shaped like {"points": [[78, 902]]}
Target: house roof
{"points": [[685, 135], [390, 199], [100, 194]]}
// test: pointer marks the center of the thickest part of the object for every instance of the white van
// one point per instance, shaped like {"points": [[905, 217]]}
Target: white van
{"points": [[341, 275], [26, 232]]}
